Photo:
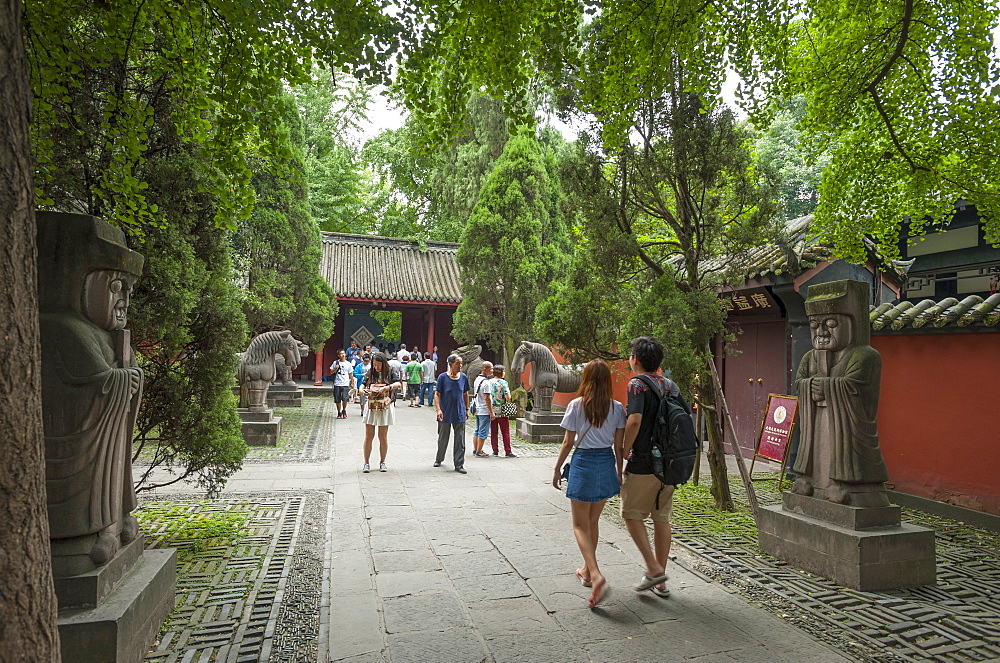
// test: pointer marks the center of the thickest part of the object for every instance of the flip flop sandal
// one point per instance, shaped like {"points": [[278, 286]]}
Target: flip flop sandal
{"points": [[583, 581], [648, 582], [662, 593]]}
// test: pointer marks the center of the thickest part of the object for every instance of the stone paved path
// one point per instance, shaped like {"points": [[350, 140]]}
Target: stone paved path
{"points": [[425, 565]]}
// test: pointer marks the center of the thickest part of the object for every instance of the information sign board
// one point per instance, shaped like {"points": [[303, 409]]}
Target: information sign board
{"points": [[776, 431], [777, 427]]}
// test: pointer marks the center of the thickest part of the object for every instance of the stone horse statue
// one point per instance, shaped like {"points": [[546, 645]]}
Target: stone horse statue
{"points": [[257, 369], [472, 362], [547, 377], [283, 370]]}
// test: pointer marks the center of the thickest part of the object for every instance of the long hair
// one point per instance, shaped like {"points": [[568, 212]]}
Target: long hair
{"points": [[382, 375], [595, 389]]}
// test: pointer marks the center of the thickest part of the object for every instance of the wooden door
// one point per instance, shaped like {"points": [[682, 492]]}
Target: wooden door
{"points": [[759, 369]]}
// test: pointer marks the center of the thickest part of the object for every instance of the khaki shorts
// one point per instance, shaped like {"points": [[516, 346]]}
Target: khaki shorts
{"points": [[639, 493]]}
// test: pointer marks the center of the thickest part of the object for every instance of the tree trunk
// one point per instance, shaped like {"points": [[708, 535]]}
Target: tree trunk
{"points": [[716, 449], [28, 629], [513, 379]]}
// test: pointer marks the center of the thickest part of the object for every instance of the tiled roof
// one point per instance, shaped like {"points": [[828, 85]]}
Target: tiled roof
{"points": [[387, 268], [773, 260], [971, 311]]}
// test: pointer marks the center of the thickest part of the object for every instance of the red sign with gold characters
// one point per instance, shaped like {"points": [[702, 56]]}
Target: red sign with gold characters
{"points": [[779, 422]]}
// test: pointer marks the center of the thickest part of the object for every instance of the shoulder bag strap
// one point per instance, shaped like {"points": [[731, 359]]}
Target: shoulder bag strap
{"points": [[655, 388]]}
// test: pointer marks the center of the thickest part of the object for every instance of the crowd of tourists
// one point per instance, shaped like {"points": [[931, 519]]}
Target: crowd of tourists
{"points": [[610, 443]]}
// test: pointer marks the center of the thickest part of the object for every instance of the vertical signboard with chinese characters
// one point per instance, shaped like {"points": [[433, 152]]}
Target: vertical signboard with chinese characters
{"points": [[776, 430]]}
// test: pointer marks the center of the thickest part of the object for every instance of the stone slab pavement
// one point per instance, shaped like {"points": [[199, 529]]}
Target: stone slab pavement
{"points": [[431, 566], [425, 565]]}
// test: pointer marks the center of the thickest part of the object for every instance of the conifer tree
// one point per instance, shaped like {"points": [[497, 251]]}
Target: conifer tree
{"points": [[188, 323], [279, 249], [508, 251]]}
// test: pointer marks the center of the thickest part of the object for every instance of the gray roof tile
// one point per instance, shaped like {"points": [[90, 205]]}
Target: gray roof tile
{"points": [[971, 311], [382, 268], [773, 260]]}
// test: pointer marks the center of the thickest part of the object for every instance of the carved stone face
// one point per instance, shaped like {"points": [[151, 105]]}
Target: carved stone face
{"points": [[106, 297], [831, 331]]}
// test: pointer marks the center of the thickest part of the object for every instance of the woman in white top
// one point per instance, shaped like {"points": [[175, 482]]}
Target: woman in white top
{"points": [[595, 425], [378, 386]]}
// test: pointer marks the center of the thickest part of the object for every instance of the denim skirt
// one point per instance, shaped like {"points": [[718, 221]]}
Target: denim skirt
{"points": [[592, 475]]}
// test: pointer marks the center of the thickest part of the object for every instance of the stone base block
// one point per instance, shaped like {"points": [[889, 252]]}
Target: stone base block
{"points": [[87, 590], [124, 626], [866, 560], [547, 417], [282, 395], [262, 433], [246, 414], [844, 515], [539, 428]]}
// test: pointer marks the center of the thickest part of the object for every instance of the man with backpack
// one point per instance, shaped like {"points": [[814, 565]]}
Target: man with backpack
{"points": [[643, 492]]}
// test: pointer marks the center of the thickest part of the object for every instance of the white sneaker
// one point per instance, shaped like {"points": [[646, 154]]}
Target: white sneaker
{"points": [[366, 468], [382, 467]]}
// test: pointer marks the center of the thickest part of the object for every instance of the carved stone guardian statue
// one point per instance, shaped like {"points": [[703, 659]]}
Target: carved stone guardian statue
{"points": [[91, 388], [547, 376], [837, 382], [837, 521], [257, 367], [283, 370]]}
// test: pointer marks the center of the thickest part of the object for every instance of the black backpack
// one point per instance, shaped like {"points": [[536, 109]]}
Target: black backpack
{"points": [[674, 445]]}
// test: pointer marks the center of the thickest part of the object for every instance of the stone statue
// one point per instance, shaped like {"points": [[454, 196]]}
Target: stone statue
{"points": [[839, 458], [472, 362], [547, 376], [282, 370], [91, 388], [257, 366]]}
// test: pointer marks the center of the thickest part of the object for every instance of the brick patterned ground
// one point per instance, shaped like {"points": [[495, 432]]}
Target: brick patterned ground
{"points": [[249, 599], [306, 433], [957, 619]]}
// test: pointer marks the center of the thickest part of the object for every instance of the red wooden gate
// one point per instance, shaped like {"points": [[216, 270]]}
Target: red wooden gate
{"points": [[760, 369]]}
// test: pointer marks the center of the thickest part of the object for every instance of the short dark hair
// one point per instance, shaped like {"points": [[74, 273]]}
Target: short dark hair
{"points": [[648, 352]]}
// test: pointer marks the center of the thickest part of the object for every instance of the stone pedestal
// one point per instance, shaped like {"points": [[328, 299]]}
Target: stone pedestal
{"points": [[260, 427], [540, 427], [283, 395], [864, 548], [112, 614]]}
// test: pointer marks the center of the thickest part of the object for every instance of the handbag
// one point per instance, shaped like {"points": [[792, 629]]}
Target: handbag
{"points": [[508, 410], [565, 469], [381, 402]]}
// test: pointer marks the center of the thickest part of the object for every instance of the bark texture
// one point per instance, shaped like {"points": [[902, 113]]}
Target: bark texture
{"points": [[28, 630]]}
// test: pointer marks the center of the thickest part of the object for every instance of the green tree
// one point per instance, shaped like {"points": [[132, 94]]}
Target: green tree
{"points": [[507, 254], [798, 172], [332, 109], [662, 210], [99, 70], [424, 193], [906, 93], [391, 323], [186, 316], [279, 249], [902, 92], [398, 199]]}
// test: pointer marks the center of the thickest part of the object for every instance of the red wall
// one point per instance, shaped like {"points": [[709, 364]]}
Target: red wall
{"points": [[938, 416]]}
